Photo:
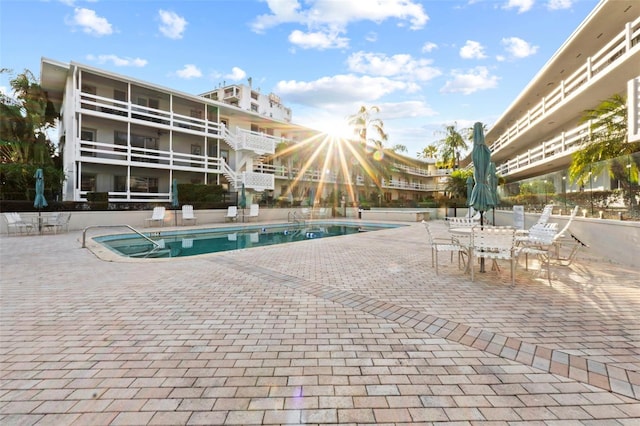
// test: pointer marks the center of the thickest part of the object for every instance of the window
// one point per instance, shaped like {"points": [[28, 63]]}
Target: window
{"points": [[87, 150], [144, 184], [120, 183], [254, 107], [88, 183], [89, 90], [88, 134]]}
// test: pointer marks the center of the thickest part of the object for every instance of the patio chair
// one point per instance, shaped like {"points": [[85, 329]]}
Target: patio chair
{"points": [[565, 239], [16, 224], [323, 212], [156, 217], [232, 213], [305, 213], [254, 211], [57, 221], [493, 242], [539, 242], [187, 214], [443, 244]]}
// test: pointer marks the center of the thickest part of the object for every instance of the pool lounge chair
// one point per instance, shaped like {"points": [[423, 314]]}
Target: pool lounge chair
{"points": [[187, 214], [232, 213], [254, 211], [157, 217]]}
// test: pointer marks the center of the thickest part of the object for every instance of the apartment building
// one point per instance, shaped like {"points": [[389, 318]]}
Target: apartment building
{"points": [[538, 133], [132, 138]]}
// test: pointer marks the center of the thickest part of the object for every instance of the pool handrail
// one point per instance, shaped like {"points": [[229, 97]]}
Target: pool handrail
{"points": [[84, 233]]}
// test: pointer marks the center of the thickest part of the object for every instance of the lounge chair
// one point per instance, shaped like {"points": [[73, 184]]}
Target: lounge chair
{"points": [[156, 217], [16, 224], [323, 213], [232, 213], [187, 214], [254, 211], [443, 244]]}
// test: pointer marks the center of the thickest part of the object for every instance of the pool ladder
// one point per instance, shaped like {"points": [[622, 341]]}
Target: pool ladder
{"points": [[156, 245], [292, 217]]}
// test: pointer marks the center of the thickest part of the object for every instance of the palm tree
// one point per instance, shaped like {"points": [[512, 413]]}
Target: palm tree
{"points": [[429, 152], [24, 144], [372, 137], [451, 145], [608, 140]]}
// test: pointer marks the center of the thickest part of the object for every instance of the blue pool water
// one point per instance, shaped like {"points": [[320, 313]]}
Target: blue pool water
{"points": [[194, 242]]}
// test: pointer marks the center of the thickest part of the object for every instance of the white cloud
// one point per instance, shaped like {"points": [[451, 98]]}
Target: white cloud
{"points": [[189, 71], [340, 89], [318, 40], [118, 61], [325, 19], [521, 5], [470, 81], [518, 48], [90, 22], [337, 13], [559, 4], [401, 65], [472, 50], [173, 25], [429, 47], [236, 74]]}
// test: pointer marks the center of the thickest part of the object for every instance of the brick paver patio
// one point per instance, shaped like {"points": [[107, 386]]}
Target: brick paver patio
{"points": [[353, 330]]}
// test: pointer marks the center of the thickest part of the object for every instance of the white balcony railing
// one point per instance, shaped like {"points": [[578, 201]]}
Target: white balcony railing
{"points": [[609, 56]]}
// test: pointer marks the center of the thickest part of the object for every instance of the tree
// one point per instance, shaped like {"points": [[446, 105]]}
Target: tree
{"points": [[451, 145], [429, 152], [25, 119], [372, 137], [607, 140]]}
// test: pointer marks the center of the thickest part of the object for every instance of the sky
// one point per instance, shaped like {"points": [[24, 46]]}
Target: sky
{"points": [[425, 64]]}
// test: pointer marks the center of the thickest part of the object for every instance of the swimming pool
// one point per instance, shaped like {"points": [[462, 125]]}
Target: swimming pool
{"points": [[183, 243]]}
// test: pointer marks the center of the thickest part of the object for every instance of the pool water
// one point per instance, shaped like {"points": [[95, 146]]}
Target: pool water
{"points": [[202, 241]]}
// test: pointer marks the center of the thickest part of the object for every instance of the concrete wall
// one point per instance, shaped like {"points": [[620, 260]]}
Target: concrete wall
{"points": [[615, 241], [612, 240]]}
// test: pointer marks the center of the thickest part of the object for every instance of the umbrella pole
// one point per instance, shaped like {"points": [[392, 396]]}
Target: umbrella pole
{"points": [[481, 225]]}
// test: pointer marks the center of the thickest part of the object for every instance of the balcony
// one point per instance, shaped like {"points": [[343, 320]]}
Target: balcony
{"points": [[614, 54]]}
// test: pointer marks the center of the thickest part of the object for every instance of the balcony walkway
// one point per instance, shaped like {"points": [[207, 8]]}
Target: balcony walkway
{"points": [[352, 329]]}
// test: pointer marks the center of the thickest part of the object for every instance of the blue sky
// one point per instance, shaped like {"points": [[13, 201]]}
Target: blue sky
{"points": [[426, 64]]}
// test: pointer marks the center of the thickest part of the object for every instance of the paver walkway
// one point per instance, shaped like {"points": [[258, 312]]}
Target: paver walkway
{"points": [[354, 329]]}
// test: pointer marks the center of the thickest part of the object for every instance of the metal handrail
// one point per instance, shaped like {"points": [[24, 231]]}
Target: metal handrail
{"points": [[84, 233]]}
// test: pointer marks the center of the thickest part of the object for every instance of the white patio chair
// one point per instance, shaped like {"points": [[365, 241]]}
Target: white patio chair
{"points": [[16, 224], [443, 244], [157, 217], [493, 242], [232, 213], [323, 213], [539, 242], [254, 211], [57, 221], [187, 214], [305, 213]]}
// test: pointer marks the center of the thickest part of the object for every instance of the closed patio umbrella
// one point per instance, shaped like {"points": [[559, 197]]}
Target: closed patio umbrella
{"points": [[242, 203], [481, 197], [469, 190], [174, 199], [39, 202], [493, 184]]}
